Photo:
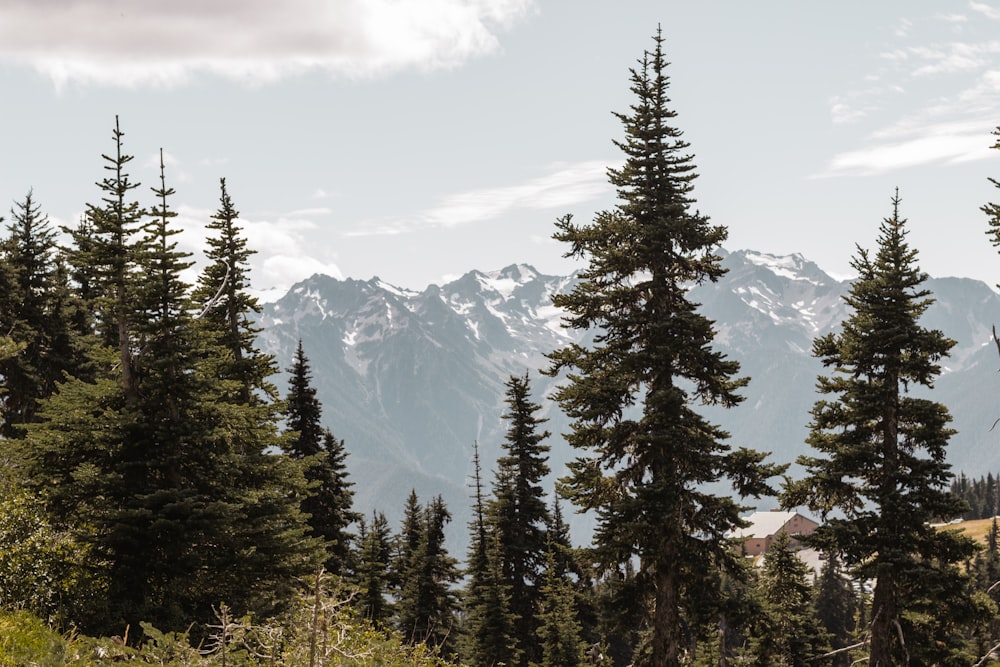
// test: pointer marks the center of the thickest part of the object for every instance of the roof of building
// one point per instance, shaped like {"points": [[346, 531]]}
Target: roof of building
{"points": [[763, 524]]}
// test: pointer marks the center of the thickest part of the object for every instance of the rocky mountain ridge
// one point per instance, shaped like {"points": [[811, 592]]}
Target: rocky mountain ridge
{"points": [[411, 380]]}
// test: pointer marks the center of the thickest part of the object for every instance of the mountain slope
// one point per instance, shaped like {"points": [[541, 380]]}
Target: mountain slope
{"points": [[411, 380]]}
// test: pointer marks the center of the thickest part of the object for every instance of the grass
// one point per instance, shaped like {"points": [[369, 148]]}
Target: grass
{"points": [[977, 529]]}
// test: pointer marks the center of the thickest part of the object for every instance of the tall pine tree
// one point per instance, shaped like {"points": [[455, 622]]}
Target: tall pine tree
{"points": [[151, 461], [648, 458], [328, 499], [488, 633], [790, 634], [879, 475], [372, 575], [427, 603], [36, 311], [518, 516]]}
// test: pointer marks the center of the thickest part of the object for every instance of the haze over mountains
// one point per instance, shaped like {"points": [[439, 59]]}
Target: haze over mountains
{"points": [[411, 380]]}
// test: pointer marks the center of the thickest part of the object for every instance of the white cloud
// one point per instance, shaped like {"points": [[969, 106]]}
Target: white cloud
{"points": [[285, 246], [565, 186], [954, 57], [842, 112], [252, 41], [986, 10], [953, 18], [945, 143]]}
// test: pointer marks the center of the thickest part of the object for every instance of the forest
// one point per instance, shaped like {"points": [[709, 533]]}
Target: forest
{"points": [[165, 502]]}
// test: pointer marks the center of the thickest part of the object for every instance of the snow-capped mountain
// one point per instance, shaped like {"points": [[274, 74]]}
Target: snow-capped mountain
{"points": [[411, 380]]}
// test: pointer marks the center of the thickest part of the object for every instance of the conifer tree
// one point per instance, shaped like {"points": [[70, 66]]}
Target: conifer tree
{"points": [[559, 631], [328, 500], [165, 478], [880, 460], [836, 608], [518, 515], [488, 633], [229, 308], [113, 252], [427, 603], [791, 634], [647, 457], [36, 312], [372, 576]]}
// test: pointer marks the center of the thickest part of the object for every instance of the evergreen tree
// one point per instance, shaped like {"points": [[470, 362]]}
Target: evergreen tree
{"points": [[372, 576], [880, 460], [648, 457], [228, 308], [518, 515], [36, 312], [165, 479], [836, 608], [113, 252], [303, 411], [791, 633], [328, 500], [427, 603], [488, 634], [559, 631]]}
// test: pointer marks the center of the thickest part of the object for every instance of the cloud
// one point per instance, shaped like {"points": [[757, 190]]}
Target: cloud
{"points": [[903, 27], [953, 57], [285, 245], [252, 41], [944, 143], [566, 185], [988, 11]]}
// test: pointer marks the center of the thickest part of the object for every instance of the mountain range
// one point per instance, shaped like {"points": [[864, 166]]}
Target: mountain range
{"points": [[413, 380]]}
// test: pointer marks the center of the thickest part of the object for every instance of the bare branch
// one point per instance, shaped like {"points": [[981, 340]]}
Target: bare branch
{"points": [[989, 654]]}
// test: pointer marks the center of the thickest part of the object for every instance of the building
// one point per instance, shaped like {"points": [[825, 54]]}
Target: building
{"points": [[765, 526]]}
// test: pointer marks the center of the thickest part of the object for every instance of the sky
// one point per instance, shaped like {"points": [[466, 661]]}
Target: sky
{"points": [[415, 141]]}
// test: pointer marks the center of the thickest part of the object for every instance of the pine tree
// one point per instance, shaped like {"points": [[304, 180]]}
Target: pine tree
{"points": [[836, 608], [372, 576], [113, 253], [36, 312], [559, 631], [328, 500], [427, 603], [647, 456], [880, 460], [228, 307], [518, 515], [792, 634], [166, 479], [488, 634], [303, 411]]}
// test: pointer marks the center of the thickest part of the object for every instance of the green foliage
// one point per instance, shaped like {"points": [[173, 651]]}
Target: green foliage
{"points": [[836, 606], [488, 631], [647, 455], [25, 641], [426, 604], [320, 628], [517, 517], [36, 311], [150, 458], [881, 461], [790, 634], [327, 501], [373, 576], [559, 631], [41, 568]]}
